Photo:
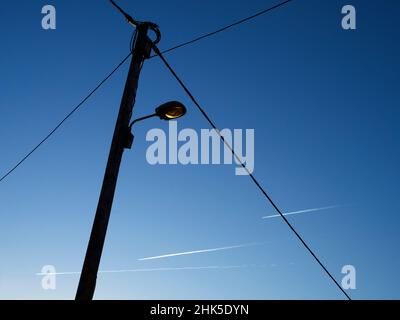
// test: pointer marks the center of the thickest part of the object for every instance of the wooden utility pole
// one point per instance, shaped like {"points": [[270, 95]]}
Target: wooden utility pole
{"points": [[122, 139]]}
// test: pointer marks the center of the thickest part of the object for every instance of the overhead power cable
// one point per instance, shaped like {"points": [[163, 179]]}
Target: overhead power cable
{"points": [[63, 120], [202, 111], [212, 33]]}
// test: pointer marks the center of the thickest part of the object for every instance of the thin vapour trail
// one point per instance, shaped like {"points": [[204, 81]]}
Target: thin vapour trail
{"points": [[149, 270], [201, 251], [303, 211]]}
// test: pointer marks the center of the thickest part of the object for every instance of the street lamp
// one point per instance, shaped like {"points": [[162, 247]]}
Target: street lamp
{"points": [[167, 111], [122, 139]]}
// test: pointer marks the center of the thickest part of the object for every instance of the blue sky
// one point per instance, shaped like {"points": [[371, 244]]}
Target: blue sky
{"points": [[324, 106]]}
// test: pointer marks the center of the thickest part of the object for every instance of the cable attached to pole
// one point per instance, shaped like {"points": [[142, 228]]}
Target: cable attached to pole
{"points": [[128, 18], [63, 120], [238, 22], [202, 111]]}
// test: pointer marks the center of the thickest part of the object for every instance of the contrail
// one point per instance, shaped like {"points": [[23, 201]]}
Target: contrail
{"points": [[149, 270], [302, 211], [201, 251]]}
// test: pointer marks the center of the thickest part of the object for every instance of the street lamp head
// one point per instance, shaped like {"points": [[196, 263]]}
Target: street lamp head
{"points": [[171, 110], [167, 111]]}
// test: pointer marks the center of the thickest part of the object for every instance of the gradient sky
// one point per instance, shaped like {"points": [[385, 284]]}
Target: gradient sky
{"points": [[324, 104]]}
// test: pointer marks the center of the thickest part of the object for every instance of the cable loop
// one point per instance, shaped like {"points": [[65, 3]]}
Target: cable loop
{"points": [[154, 27]]}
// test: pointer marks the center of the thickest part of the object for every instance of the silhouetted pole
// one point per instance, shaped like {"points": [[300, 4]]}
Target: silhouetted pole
{"points": [[122, 139]]}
